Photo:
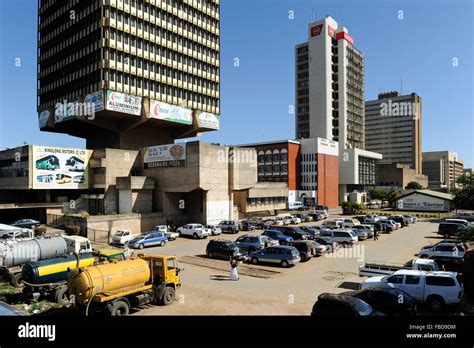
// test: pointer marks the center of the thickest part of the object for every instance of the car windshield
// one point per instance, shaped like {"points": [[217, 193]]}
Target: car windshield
{"points": [[120, 233], [362, 308], [231, 245]]}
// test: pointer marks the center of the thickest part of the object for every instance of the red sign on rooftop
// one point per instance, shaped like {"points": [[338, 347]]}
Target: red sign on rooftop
{"points": [[345, 36]]}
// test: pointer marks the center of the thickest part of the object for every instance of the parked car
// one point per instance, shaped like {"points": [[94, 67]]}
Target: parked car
{"points": [[378, 226], [318, 249], [230, 226], [349, 223], [339, 305], [461, 245], [312, 232], [390, 301], [323, 212], [148, 239], [164, 228], [462, 222], [330, 245], [365, 228], [361, 235], [194, 230], [395, 225], [215, 229], [26, 223], [322, 230], [121, 237], [264, 224], [403, 221], [465, 216], [442, 249], [322, 207], [296, 205], [344, 237], [317, 216], [294, 232], [283, 221], [283, 255], [450, 263], [449, 229], [411, 218], [277, 235], [308, 249], [304, 217], [276, 222], [333, 224], [224, 249], [387, 226], [252, 243], [248, 225], [436, 289]]}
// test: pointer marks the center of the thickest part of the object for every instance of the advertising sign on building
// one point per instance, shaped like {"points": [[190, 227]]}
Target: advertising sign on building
{"points": [[96, 99], [316, 30], [330, 31], [345, 36], [121, 102], [43, 118], [419, 202], [171, 113], [170, 155], [65, 111], [208, 120], [60, 168]]}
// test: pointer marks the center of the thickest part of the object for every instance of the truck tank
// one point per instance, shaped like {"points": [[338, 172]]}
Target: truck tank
{"points": [[55, 269], [14, 253], [84, 283]]}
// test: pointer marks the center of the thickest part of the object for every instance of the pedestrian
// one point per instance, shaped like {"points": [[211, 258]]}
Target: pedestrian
{"points": [[234, 274], [376, 233]]}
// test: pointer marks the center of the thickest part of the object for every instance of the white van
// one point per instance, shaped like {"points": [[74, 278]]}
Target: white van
{"points": [[295, 205]]}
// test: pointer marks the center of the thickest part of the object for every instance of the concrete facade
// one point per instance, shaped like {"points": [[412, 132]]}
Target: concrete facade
{"points": [[393, 128], [399, 175], [443, 168]]}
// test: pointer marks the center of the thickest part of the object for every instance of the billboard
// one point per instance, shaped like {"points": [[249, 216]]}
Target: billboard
{"points": [[316, 30], [60, 168], [121, 102], [96, 99], [170, 155], [208, 120], [171, 113], [43, 118]]}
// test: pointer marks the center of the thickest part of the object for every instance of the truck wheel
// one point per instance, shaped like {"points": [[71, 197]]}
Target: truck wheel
{"points": [[195, 236], [284, 263], [436, 304], [118, 308], [141, 246], [17, 280], [168, 296], [60, 296], [254, 260]]}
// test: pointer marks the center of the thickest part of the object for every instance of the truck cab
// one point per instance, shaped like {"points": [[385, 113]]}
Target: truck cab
{"points": [[77, 244]]}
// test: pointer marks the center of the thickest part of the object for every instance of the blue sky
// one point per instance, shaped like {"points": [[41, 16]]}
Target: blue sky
{"points": [[418, 50]]}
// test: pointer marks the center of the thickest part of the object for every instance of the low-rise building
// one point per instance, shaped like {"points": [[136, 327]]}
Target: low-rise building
{"points": [[398, 175], [425, 200], [443, 168]]}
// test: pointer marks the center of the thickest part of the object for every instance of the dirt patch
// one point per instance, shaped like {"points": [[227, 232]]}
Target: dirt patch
{"points": [[247, 270]]}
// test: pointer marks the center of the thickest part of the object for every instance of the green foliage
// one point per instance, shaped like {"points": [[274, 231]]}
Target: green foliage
{"points": [[464, 198], [413, 185], [467, 235]]}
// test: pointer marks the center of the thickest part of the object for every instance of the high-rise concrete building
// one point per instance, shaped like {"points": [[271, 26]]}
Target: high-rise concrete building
{"points": [[330, 86], [330, 100], [150, 68], [443, 168], [393, 128]]}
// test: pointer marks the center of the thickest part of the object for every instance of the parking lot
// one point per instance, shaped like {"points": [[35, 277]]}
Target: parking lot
{"points": [[267, 290]]}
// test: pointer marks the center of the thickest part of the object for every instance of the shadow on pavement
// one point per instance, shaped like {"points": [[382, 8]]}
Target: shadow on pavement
{"points": [[349, 285], [219, 277]]}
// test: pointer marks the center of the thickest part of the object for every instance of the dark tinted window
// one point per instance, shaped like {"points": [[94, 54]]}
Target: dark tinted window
{"points": [[395, 279], [440, 281], [411, 279]]}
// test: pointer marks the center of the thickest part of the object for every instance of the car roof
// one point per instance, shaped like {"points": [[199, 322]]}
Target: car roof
{"points": [[408, 272], [338, 297]]}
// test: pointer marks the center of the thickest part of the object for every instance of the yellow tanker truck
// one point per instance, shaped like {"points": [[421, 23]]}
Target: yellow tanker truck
{"points": [[117, 286]]}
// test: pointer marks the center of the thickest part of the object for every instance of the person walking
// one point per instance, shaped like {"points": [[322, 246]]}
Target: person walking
{"points": [[234, 274], [376, 233]]}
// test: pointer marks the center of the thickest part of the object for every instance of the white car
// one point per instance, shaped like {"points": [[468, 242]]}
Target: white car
{"points": [[441, 249], [348, 223], [215, 229], [293, 219], [122, 237], [165, 230], [437, 289], [194, 230]]}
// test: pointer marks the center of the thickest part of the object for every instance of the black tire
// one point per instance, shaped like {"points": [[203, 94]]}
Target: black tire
{"points": [[210, 255], [60, 295], [284, 264], [168, 296], [303, 257], [141, 246], [254, 260], [17, 280], [447, 235], [162, 243], [195, 236], [436, 304], [118, 308]]}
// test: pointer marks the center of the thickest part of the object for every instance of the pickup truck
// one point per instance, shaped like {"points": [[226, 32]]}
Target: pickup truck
{"points": [[194, 230], [165, 230], [436, 289], [372, 268]]}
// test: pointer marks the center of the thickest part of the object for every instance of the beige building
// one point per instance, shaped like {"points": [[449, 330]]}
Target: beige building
{"points": [[393, 128], [398, 176], [443, 168]]}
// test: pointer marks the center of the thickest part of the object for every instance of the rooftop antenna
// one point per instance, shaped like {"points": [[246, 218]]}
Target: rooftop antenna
{"points": [[401, 87], [312, 15]]}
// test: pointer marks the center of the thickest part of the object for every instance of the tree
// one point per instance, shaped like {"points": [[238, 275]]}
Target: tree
{"points": [[464, 197], [413, 185]]}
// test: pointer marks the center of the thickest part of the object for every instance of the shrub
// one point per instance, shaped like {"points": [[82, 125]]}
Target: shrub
{"points": [[84, 213], [73, 230], [467, 235]]}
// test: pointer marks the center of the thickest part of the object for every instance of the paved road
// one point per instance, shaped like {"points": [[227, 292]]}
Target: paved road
{"points": [[294, 291]]}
